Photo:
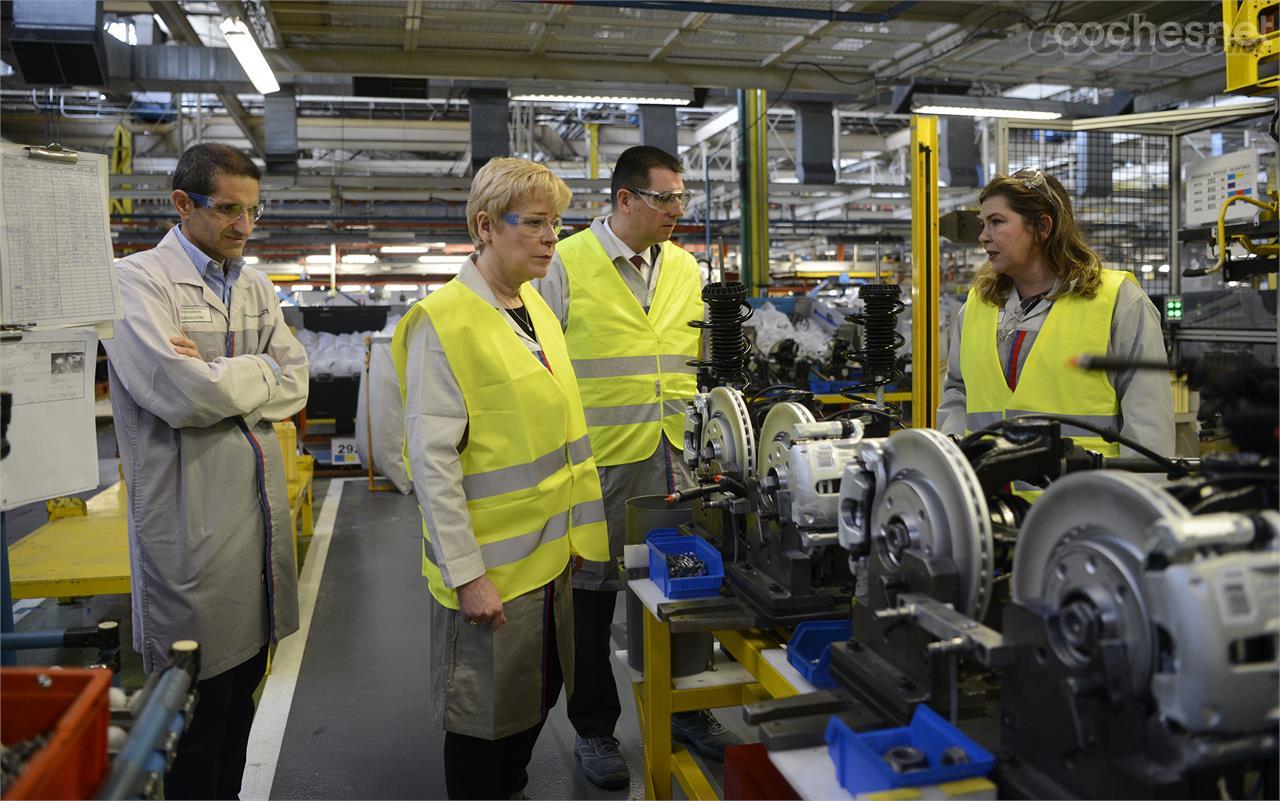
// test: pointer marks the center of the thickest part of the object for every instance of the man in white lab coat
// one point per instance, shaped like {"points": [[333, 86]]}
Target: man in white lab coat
{"points": [[200, 366]]}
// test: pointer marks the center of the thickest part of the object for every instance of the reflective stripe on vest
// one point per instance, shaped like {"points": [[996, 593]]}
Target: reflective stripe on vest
{"points": [[632, 367], [1047, 383], [531, 485]]}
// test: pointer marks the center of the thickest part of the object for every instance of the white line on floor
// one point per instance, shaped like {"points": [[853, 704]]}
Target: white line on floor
{"points": [[23, 608], [277, 696]]}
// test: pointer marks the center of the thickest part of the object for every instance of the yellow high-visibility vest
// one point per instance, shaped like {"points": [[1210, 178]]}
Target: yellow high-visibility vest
{"points": [[531, 485], [1047, 383], [631, 366]]}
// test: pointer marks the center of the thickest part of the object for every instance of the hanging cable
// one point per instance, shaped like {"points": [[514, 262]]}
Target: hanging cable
{"points": [[880, 337], [727, 310]]}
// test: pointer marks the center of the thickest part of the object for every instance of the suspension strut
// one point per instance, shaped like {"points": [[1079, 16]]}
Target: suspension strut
{"points": [[880, 338], [727, 310]]}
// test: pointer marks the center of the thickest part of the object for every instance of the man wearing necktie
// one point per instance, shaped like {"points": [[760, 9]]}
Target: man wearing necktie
{"points": [[624, 294]]}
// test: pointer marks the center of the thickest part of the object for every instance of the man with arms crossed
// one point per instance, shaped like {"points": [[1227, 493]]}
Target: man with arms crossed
{"points": [[200, 366]]}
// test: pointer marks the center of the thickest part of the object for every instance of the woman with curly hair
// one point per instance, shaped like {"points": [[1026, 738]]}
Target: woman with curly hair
{"points": [[1042, 299]]}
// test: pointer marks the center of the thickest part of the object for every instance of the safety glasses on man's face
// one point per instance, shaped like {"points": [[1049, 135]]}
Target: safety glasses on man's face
{"points": [[228, 211], [663, 201]]}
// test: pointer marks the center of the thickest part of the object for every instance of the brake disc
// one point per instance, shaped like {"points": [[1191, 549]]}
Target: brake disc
{"points": [[932, 501], [1081, 552], [728, 432], [773, 451]]}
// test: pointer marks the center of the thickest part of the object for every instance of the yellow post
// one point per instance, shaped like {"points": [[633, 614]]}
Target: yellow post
{"points": [[758, 156], [593, 150], [925, 277], [657, 707], [122, 164]]}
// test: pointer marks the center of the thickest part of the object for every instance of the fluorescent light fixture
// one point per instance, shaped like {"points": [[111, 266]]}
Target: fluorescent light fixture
{"points": [[403, 287], [434, 287], [1011, 108], [613, 99], [250, 259], [318, 259], [302, 287], [359, 258], [440, 260], [354, 287], [974, 111], [1163, 268], [595, 92], [404, 248], [250, 57], [1147, 268]]}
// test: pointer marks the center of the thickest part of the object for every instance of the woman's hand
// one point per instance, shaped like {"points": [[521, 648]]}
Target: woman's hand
{"points": [[480, 603]]}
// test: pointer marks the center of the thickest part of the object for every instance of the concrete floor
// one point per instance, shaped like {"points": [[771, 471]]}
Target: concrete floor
{"points": [[353, 718]]}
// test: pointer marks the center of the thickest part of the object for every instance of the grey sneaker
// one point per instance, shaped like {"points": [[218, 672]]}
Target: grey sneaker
{"points": [[703, 733], [602, 763]]}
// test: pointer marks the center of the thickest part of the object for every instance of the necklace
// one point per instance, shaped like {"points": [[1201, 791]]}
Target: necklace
{"points": [[521, 315]]}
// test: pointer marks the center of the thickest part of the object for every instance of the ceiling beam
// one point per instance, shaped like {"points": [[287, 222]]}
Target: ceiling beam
{"points": [[462, 64], [551, 26], [801, 42], [689, 24], [180, 28]]}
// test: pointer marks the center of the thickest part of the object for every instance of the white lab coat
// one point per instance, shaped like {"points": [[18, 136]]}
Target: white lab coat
{"points": [[201, 462]]}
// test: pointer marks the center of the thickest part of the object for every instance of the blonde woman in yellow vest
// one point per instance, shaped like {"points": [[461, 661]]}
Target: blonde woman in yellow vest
{"points": [[1042, 299], [501, 464], [625, 294]]}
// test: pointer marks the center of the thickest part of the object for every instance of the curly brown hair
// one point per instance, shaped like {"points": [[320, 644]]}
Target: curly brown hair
{"points": [[1032, 193]]}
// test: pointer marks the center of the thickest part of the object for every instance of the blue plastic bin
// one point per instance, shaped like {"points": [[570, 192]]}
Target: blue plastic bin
{"points": [[809, 649], [666, 541], [861, 768]]}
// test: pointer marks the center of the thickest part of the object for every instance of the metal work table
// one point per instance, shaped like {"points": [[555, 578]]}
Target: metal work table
{"points": [[761, 671]]}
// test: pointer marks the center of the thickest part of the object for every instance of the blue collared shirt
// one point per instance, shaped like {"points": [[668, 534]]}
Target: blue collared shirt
{"points": [[219, 280], [211, 271]]}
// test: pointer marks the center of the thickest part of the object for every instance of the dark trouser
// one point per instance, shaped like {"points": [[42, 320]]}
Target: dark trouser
{"points": [[478, 768], [211, 753], [594, 707]]}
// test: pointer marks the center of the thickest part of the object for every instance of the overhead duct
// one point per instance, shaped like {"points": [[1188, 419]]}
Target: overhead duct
{"points": [[59, 43], [280, 131], [658, 128], [959, 157], [1093, 164], [489, 120], [400, 88], [815, 143]]}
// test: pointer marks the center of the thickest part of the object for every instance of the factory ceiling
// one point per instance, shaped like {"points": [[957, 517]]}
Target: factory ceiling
{"points": [[381, 93]]}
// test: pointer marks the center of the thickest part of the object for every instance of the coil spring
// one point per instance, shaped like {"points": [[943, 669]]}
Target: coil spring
{"points": [[727, 310], [880, 338]]}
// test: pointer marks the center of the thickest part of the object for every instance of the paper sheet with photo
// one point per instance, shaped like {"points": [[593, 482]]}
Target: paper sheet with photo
{"points": [[56, 260], [53, 445]]}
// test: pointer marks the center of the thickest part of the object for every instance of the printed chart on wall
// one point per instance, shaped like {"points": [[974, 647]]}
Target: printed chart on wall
{"points": [[56, 263], [53, 448], [1211, 181]]}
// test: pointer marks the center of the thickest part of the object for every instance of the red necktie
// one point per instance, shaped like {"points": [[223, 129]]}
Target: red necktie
{"points": [[638, 261]]}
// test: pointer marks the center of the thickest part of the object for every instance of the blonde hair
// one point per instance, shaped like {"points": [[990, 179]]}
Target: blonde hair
{"points": [[503, 183], [1032, 193]]}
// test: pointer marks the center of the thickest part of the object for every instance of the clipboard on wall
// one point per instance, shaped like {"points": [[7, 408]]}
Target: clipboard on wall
{"points": [[58, 291]]}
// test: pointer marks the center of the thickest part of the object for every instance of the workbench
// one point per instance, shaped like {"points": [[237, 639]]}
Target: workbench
{"points": [[88, 554], [760, 672]]}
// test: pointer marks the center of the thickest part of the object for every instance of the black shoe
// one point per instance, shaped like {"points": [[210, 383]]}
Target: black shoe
{"points": [[703, 733], [601, 761]]}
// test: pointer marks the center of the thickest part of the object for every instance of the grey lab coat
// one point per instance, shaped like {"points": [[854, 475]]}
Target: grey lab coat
{"points": [[196, 443]]}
